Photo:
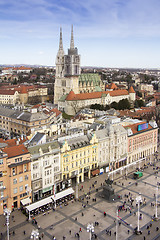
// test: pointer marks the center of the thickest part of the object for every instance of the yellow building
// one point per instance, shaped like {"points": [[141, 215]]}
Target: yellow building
{"points": [[79, 158], [15, 176]]}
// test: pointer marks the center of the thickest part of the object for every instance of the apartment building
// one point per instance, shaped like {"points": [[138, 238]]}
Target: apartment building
{"points": [[112, 147], [79, 158], [27, 123], [15, 176], [142, 140], [12, 94], [45, 168]]}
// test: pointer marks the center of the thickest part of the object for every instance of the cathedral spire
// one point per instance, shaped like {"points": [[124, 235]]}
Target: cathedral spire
{"points": [[72, 39], [60, 40]]}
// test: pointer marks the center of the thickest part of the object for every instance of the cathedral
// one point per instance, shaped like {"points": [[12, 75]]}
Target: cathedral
{"points": [[68, 73]]}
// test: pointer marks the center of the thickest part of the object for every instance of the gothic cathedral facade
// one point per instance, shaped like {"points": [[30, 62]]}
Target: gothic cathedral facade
{"points": [[68, 73], [67, 70]]}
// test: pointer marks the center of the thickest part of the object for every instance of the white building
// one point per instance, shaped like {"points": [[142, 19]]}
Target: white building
{"points": [[45, 169], [112, 147]]}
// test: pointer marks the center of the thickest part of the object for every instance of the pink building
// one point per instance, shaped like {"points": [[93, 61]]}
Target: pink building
{"points": [[142, 140]]}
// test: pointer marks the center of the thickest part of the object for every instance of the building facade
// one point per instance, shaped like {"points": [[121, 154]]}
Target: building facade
{"points": [[15, 176], [68, 73], [27, 123], [79, 158], [142, 140], [45, 169], [72, 103], [112, 147]]}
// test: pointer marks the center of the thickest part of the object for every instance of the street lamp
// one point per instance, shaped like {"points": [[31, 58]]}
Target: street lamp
{"points": [[156, 216], [138, 200], [117, 223], [34, 234], [76, 173], [90, 229], [28, 191], [7, 213]]}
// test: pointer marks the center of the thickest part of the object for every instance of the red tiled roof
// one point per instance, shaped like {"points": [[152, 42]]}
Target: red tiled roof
{"points": [[7, 92], [23, 89], [13, 142], [56, 111], [134, 127], [82, 96], [112, 86], [131, 90], [15, 150]]}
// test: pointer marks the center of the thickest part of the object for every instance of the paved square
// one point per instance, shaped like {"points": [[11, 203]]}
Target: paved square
{"points": [[79, 214]]}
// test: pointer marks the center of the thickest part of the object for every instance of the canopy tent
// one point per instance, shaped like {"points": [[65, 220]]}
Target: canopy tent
{"points": [[26, 201], [39, 204], [50, 199], [62, 194]]}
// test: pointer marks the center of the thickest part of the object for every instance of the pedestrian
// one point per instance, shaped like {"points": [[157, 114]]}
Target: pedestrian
{"points": [[64, 237], [144, 238], [128, 231], [70, 232], [82, 214], [13, 232], [149, 232], [157, 228], [110, 233], [24, 232]]}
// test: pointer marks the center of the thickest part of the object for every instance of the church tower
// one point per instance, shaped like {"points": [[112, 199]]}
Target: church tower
{"points": [[60, 58], [67, 70], [72, 60]]}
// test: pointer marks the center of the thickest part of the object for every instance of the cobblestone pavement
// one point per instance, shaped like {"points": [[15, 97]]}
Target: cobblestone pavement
{"points": [[60, 222]]}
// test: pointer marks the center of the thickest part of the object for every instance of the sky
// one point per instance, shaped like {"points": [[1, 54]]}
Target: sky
{"points": [[107, 33]]}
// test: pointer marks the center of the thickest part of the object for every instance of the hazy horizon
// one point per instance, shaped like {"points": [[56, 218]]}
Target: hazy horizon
{"points": [[107, 33]]}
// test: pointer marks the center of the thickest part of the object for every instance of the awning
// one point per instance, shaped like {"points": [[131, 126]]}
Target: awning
{"points": [[26, 201], [50, 199], [62, 194], [39, 204], [95, 172]]}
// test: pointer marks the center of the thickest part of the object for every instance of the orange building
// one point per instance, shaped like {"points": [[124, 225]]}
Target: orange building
{"points": [[15, 176]]}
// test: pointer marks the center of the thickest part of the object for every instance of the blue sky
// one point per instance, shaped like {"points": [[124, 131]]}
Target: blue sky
{"points": [[108, 33]]}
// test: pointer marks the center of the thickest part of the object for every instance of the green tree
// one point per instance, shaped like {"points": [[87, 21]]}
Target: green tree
{"points": [[114, 105], [139, 103], [124, 104], [107, 107]]}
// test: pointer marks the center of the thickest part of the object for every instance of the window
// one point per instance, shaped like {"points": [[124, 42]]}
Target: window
{"points": [[13, 171], [15, 190], [1, 174], [18, 159], [25, 167], [21, 188], [1, 184], [2, 194], [21, 179], [72, 165], [1, 161], [15, 181], [26, 177]]}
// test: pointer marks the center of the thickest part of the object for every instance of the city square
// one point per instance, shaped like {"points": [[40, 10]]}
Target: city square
{"points": [[66, 221]]}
